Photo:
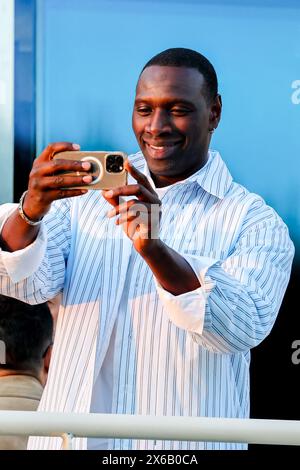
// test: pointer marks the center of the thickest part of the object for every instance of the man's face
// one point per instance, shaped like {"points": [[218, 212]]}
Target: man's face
{"points": [[172, 119]]}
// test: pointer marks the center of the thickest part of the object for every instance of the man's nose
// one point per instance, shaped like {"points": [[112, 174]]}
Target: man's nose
{"points": [[159, 122]]}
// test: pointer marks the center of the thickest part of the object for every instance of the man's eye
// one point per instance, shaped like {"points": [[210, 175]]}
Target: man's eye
{"points": [[180, 111], [143, 110]]}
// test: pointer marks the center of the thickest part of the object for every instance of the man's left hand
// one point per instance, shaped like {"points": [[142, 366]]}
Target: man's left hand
{"points": [[140, 216]]}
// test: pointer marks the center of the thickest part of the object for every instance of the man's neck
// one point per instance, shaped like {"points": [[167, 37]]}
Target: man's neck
{"points": [[161, 181]]}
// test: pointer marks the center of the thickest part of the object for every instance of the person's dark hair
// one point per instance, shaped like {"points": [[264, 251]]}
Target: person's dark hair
{"points": [[26, 332], [181, 57]]}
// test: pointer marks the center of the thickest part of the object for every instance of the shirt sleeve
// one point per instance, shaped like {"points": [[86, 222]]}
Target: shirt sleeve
{"points": [[187, 310], [36, 273], [240, 296]]}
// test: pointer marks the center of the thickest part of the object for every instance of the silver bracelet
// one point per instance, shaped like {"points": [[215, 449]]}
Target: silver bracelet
{"points": [[22, 213]]}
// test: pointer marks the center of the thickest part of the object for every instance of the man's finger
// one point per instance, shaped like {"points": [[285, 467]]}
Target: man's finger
{"points": [[138, 190], [121, 208], [58, 166], [113, 200], [49, 152], [127, 218], [138, 175]]}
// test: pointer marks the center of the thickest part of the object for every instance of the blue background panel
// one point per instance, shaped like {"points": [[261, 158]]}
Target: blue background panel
{"points": [[90, 54]]}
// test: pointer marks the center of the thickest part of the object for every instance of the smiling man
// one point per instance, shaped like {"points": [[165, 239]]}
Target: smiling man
{"points": [[164, 294], [173, 122]]}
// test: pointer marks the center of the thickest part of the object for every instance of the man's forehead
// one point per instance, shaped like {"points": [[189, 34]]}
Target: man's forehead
{"points": [[158, 79]]}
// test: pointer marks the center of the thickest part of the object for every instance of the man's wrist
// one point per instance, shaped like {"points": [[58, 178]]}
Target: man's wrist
{"points": [[24, 215], [152, 249]]}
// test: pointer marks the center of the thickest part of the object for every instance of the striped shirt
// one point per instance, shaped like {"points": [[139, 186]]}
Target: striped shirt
{"points": [[119, 330]]}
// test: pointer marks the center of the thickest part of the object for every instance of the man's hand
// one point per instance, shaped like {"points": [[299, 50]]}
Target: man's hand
{"points": [[46, 180], [139, 216], [46, 184]]}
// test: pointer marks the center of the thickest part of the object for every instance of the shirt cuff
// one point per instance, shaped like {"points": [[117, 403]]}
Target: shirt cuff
{"points": [[187, 311], [21, 264]]}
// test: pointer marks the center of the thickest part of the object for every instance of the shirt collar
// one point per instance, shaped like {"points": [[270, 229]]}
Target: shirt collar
{"points": [[214, 177]]}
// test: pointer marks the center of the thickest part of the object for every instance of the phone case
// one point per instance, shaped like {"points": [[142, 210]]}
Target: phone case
{"points": [[105, 168]]}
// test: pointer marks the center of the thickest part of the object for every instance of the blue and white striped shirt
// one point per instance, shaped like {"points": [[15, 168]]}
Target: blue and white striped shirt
{"points": [[118, 330]]}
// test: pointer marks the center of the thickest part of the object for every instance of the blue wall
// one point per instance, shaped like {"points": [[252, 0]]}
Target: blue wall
{"points": [[91, 52]]}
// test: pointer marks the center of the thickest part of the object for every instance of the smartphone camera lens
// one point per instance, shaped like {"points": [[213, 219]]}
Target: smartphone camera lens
{"points": [[114, 163]]}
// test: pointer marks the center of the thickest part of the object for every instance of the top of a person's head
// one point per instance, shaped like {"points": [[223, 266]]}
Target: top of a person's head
{"points": [[26, 332], [182, 57]]}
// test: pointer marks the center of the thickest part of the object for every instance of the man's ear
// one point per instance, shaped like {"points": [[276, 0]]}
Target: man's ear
{"points": [[47, 358], [215, 112]]}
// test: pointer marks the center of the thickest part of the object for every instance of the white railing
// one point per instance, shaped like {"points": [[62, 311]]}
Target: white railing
{"points": [[69, 425]]}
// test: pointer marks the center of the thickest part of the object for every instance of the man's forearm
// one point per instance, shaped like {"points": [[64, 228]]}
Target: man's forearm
{"points": [[171, 269], [17, 234]]}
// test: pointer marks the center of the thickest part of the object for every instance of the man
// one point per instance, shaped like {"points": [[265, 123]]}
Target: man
{"points": [[26, 332], [161, 309]]}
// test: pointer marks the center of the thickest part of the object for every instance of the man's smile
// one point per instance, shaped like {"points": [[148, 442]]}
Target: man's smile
{"points": [[161, 149]]}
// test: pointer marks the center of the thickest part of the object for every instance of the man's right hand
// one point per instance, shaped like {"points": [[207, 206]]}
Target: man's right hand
{"points": [[46, 184], [47, 181]]}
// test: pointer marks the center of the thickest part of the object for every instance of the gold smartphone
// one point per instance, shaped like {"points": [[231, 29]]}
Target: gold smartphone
{"points": [[107, 168]]}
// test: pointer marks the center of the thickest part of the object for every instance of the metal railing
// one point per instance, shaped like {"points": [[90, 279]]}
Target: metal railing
{"points": [[69, 425]]}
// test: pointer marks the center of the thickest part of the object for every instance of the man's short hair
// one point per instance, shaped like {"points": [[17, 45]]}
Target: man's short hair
{"points": [[182, 57], [26, 332]]}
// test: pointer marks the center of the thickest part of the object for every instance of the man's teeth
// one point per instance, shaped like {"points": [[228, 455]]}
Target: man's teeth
{"points": [[155, 147]]}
